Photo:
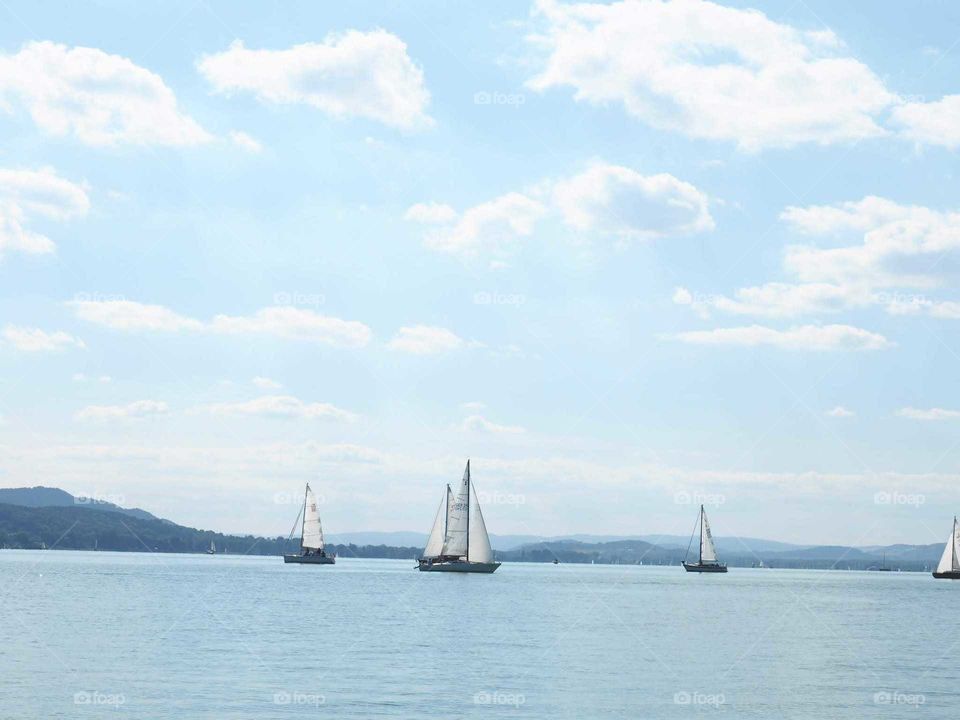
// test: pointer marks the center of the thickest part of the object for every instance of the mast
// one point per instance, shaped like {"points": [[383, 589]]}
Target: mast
{"points": [[468, 510], [953, 562], [304, 512], [446, 514], [701, 535]]}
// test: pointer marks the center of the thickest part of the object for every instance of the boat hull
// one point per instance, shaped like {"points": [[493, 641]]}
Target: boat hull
{"points": [[697, 568], [458, 566], [948, 575], [311, 559]]}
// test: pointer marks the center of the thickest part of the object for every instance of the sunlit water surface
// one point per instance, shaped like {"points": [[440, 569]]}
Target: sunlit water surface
{"points": [[87, 634]]}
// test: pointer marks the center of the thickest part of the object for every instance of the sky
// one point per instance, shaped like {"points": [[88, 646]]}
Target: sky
{"points": [[629, 257]]}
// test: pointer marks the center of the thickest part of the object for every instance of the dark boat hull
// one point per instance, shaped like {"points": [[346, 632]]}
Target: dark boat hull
{"points": [[697, 568], [948, 575], [311, 559], [458, 566]]}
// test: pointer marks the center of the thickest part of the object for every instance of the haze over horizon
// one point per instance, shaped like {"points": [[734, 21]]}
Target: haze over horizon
{"points": [[622, 283]]}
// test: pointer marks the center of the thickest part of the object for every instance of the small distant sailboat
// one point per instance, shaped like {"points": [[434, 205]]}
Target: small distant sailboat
{"points": [[311, 535], [213, 548], [458, 541], [949, 566], [708, 562]]}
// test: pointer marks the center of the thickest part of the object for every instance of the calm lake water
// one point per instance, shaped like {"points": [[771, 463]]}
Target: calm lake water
{"points": [[97, 635]]}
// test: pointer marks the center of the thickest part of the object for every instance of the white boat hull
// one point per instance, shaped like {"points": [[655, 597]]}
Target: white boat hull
{"points": [[460, 566]]}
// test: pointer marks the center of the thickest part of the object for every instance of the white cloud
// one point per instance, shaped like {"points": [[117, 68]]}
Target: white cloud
{"points": [[431, 213], [840, 412], [473, 406], [26, 195], [295, 324], [265, 383], [917, 305], [80, 377], [931, 414], [493, 227], [283, 322], [903, 245], [425, 340], [353, 74], [99, 98], [130, 315], [245, 142], [138, 409], [282, 406], [709, 71], [619, 201], [478, 423], [778, 300], [930, 123], [604, 200], [805, 337], [36, 340]]}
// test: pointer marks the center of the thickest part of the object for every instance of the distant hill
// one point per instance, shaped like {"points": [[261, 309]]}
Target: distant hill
{"points": [[55, 497]]}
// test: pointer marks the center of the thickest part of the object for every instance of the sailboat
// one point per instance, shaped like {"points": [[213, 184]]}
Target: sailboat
{"points": [[949, 566], [311, 535], [458, 541], [213, 548], [708, 551]]}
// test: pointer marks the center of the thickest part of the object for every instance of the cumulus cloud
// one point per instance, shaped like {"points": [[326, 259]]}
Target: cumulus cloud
{"points": [[930, 123], [96, 97], [26, 195], [493, 227], [283, 322], [425, 340], [619, 201], [709, 71], [130, 315], [265, 383], [930, 414], [36, 340], [138, 409], [282, 406], [839, 412], [805, 337], [353, 74], [777, 300], [603, 201], [899, 243]]}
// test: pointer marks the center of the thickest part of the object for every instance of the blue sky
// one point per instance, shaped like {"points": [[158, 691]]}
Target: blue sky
{"points": [[622, 255]]}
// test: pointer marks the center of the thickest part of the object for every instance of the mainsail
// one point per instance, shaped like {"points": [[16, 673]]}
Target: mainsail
{"points": [[458, 518], [950, 560], [312, 534], [708, 551]]}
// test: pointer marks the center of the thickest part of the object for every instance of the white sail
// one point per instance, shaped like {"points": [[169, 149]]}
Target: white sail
{"points": [[708, 551], [950, 560], [480, 550], [435, 541], [458, 518], [312, 537]]}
